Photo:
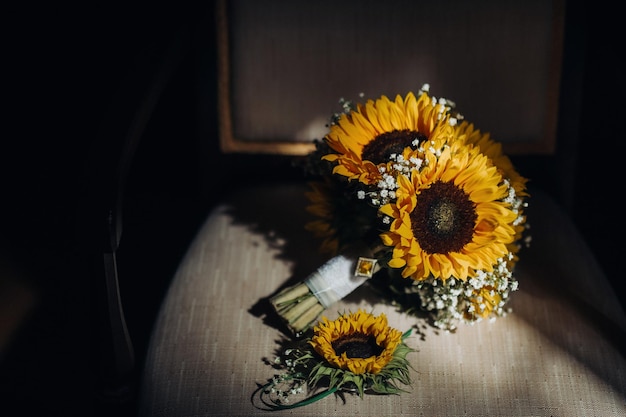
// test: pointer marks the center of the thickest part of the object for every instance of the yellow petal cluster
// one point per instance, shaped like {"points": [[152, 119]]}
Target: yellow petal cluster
{"points": [[484, 301], [467, 133]]}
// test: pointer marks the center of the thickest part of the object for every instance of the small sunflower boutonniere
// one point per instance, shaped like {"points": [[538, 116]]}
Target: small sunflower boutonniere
{"points": [[408, 186], [356, 353]]}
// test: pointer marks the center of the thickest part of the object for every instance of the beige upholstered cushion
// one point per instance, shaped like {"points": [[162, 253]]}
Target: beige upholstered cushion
{"points": [[556, 354]]}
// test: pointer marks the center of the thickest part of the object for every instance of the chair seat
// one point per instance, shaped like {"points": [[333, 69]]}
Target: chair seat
{"points": [[557, 353]]}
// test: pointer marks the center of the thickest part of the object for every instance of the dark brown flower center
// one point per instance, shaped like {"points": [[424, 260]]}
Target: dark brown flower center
{"points": [[443, 219], [384, 145], [357, 345]]}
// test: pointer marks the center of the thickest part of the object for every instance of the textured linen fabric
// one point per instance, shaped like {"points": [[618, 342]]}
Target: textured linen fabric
{"points": [[558, 352]]}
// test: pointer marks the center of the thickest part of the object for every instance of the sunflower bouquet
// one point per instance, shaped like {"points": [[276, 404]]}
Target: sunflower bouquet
{"points": [[410, 188], [356, 353]]}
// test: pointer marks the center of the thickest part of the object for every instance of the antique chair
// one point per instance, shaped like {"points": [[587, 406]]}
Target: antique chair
{"points": [[112, 158], [515, 69]]}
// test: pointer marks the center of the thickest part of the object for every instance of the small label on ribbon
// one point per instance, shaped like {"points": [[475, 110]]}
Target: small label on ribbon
{"points": [[366, 267]]}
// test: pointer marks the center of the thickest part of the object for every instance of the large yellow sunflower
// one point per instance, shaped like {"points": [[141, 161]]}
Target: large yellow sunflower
{"points": [[356, 342], [450, 218], [366, 137]]}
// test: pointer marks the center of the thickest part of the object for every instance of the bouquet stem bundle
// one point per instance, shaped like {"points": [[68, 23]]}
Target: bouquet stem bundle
{"points": [[436, 196], [300, 305]]}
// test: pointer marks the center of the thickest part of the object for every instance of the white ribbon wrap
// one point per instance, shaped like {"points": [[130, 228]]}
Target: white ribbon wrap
{"points": [[334, 280]]}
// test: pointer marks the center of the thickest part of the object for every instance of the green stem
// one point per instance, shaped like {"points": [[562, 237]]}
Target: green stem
{"points": [[275, 407]]}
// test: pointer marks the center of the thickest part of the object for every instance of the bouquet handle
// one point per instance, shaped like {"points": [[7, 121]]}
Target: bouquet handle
{"points": [[301, 304]]}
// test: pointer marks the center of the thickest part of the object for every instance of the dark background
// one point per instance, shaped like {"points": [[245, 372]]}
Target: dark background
{"points": [[75, 75]]}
